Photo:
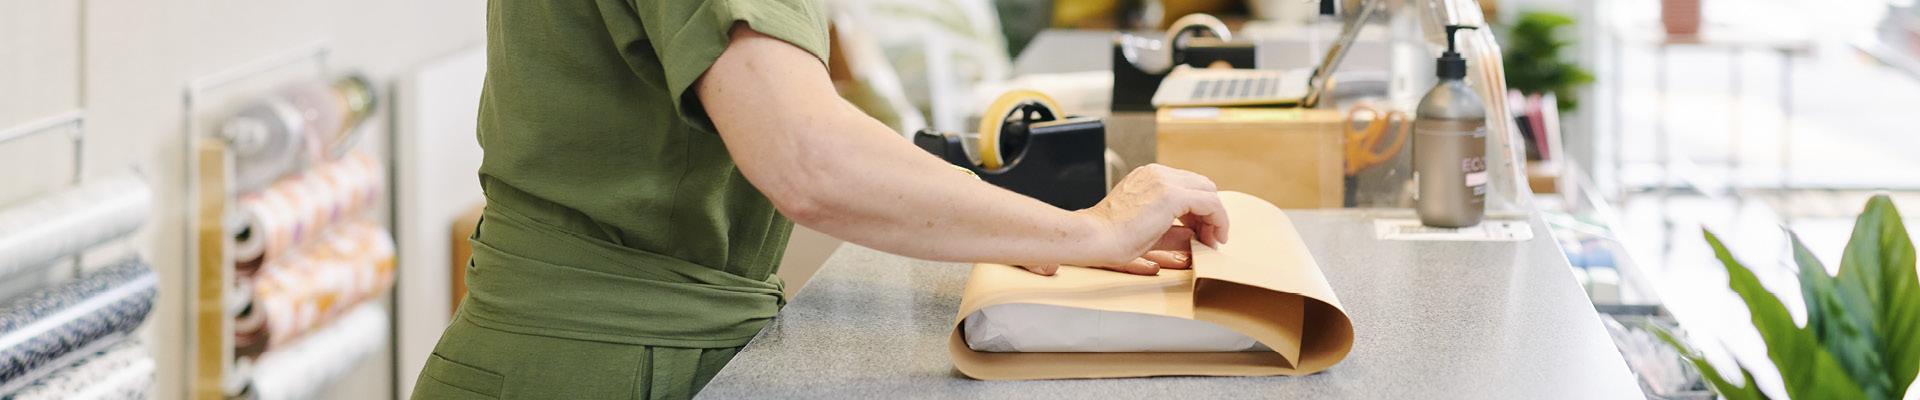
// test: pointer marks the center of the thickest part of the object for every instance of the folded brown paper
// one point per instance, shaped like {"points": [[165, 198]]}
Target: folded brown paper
{"points": [[1264, 284]]}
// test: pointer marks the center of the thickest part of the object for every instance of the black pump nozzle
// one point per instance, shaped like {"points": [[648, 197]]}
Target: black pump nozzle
{"points": [[1451, 65]]}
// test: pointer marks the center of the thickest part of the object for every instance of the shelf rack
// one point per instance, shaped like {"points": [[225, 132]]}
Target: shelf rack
{"points": [[73, 123], [209, 177]]}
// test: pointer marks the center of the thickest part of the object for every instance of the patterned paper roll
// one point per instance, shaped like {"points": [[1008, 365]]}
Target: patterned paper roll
{"points": [[300, 207], [250, 336], [39, 329], [306, 288], [122, 371], [301, 370], [63, 224]]}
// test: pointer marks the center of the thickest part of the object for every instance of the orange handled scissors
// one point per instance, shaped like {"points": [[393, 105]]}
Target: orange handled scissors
{"points": [[1363, 145]]}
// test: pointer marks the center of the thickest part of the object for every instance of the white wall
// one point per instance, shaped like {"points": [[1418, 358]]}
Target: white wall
{"points": [[126, 63]]}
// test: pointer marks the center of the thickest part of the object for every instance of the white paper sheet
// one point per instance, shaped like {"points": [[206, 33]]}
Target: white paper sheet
{"points": [[1489, 230], [1037, 328]]}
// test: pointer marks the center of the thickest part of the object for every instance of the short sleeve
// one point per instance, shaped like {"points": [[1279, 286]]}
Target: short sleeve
{"points": [[689, 35]]}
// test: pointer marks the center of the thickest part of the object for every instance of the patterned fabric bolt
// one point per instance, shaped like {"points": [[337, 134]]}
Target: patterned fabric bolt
{"points": [[121, 371], [41, 328]]}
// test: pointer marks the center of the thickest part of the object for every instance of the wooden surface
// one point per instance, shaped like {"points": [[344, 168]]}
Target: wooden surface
{"points": [[1287, 156], [212, 350], [461, 251]]}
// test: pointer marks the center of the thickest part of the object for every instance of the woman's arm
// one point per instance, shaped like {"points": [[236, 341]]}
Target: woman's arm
{"points": [[830, 167]]}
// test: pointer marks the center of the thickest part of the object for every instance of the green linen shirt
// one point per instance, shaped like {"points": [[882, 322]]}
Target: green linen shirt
{"points": [[614, 212]]}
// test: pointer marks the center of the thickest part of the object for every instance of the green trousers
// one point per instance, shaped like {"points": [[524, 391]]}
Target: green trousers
{"points": [[477, 362]]}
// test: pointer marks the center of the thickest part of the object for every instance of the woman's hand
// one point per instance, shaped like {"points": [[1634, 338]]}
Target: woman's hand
{"points": [[1173, 251], [1135, 221]]}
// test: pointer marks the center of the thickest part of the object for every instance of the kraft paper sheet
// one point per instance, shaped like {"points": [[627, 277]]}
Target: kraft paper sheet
{"points": [[1264, 284]]}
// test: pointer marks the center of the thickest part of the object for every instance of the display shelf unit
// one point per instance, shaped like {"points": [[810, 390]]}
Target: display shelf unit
{"points": [[214, 298]]}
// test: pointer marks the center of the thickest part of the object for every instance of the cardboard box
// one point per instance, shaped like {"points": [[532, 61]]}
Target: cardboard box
{"points": [[1290, 157]]}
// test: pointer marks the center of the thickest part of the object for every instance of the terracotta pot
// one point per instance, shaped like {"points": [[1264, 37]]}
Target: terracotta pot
{"points": [[1680, 17]]}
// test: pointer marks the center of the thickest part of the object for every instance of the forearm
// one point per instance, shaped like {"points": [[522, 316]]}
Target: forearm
{"points": [[872, 188]]}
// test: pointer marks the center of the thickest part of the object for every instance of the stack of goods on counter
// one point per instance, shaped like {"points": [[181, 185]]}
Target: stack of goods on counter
{"points": [[74, 338], [310, 259]]}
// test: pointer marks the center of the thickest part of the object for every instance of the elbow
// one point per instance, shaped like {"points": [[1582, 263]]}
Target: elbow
{"points": [[805, 195], [803, 208]]}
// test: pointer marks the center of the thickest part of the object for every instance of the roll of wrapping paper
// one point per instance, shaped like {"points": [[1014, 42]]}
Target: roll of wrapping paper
{"points": [[298, 125], [41, 231], [304, 289], [300, 207], [301, 370], [123, 370], [42, 329], [250, 335]]}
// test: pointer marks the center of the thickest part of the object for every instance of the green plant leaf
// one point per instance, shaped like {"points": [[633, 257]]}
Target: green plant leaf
{"points": [[1807, 369], [1879, 262], [1842, 321], [1532, 57], [1743, 391]]}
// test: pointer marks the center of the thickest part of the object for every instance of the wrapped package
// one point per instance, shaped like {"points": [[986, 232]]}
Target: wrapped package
{"points": [[1263, 285]]}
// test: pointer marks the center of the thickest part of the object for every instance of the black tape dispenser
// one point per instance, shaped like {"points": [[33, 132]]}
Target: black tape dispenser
{"points": [[1196, 40], [1027, 145]]}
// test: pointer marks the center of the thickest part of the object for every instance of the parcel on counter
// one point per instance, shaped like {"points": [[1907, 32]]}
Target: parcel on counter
{"points": [[1257, 306]]}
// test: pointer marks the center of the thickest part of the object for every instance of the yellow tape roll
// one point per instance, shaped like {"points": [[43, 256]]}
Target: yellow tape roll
{"points": [[995, 118]]}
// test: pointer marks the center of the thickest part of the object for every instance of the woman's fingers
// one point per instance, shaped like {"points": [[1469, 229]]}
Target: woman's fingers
{"points": [[1147, 264], [1177, 238], [1204, 213], [1139, 266], [1043, 269], [1169, 259]]}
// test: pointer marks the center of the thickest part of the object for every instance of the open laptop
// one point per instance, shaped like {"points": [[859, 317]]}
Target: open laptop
{"points": [[1221, 87]]}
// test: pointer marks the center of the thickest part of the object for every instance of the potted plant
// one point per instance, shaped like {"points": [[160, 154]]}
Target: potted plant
{"points": [[1862, 337], [1533, 61]]}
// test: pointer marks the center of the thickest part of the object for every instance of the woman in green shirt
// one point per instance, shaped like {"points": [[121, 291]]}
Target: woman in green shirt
{"points": [[644, 162]]}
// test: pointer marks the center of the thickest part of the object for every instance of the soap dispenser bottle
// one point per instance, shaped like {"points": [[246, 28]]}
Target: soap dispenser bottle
{"points": [[1450, 146]]}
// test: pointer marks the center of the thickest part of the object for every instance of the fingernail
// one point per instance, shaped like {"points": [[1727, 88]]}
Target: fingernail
{"points": [[1150, 263], [1179, 257]]}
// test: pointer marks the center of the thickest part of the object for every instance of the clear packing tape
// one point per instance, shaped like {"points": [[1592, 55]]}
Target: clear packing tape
{"points": [[1263, 285]]}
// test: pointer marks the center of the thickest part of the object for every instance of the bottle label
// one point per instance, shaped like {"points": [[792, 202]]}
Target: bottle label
{"points": [[1475, 168]]}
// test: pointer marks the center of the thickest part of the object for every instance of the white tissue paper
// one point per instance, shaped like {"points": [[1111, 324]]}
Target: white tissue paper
{"points": [[1036, 328]]}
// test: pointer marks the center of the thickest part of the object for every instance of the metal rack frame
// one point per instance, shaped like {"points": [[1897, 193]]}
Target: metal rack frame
{"points": [[209, 167], [75, 122]]}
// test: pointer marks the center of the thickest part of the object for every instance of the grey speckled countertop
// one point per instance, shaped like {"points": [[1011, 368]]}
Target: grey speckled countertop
{"points": [[1431, 320]]}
